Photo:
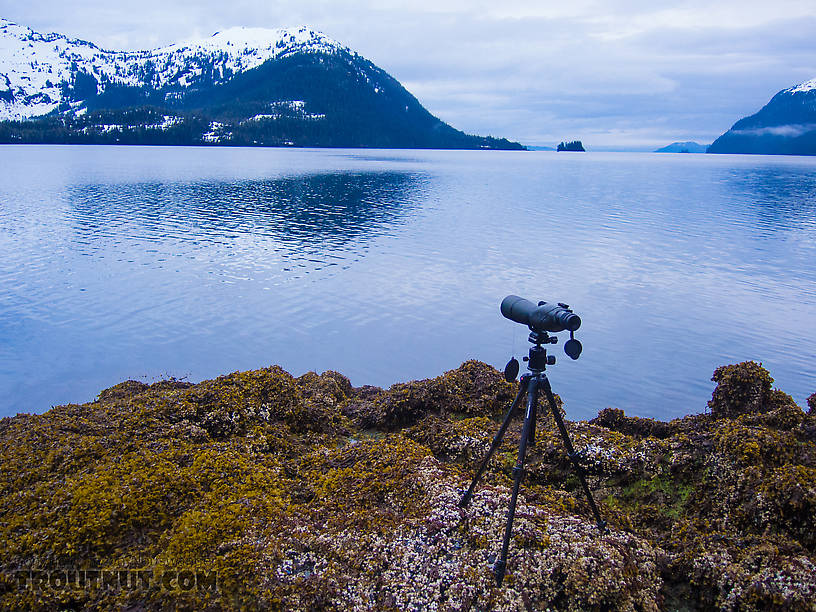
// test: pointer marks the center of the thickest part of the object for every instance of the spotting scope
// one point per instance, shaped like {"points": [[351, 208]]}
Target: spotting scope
{"points": [[543, 317]]}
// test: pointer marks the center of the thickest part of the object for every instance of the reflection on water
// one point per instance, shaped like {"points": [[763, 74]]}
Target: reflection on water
{"points": [[125, 279], [281, 227], [129, 262], [332, 210]]}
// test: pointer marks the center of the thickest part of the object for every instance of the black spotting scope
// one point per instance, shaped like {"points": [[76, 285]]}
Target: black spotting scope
{"points": [[544, 317]]}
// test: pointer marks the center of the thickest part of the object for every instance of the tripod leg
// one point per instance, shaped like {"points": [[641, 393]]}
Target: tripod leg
{"points": [[579, 469], [463, 503], [518, 474], [531, 441]]}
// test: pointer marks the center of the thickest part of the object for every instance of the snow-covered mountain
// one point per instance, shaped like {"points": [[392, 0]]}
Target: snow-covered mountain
{"points": [[245, 86], [786, 125], [35, 67]]}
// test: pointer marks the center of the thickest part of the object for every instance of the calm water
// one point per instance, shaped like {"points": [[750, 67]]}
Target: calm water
{"points": [[143, 263]]}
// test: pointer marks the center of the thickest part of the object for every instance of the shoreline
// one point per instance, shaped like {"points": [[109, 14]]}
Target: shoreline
{"points": [[307, 493]]}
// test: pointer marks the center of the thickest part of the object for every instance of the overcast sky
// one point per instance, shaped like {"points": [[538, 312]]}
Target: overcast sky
{"points": [[632, 73]]}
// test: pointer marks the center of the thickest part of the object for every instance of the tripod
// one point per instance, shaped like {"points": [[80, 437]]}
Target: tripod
{"points": [[531, 384]]}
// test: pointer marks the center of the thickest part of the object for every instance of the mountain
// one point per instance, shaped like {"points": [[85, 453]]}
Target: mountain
{"points": [[784, 126], [242, 86], [683, 147]]}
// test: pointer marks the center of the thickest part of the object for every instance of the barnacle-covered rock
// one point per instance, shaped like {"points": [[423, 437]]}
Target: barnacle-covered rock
{"points": [[306, 493], [616, 420], [743, 388], [461, 440], [472, 389]]}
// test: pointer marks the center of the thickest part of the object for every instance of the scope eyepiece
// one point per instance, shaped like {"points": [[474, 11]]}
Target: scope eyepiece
{"points": [[543, 317]]}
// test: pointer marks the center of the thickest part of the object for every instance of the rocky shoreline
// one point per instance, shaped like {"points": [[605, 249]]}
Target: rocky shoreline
{"points": [[259, 490]]}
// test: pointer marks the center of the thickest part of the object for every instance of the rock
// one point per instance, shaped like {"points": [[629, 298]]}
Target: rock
{"points": [[616, 420], [306, 493], [743, 388], [472, 389], [123, 390]]}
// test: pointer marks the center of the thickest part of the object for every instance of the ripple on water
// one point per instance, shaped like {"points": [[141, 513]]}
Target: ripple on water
{"points": [[390, 265]]}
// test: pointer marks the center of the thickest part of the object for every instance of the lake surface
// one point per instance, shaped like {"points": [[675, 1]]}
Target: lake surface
{"points": [[141, 263]]}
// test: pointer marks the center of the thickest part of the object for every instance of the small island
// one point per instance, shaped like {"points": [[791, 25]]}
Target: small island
{"points": [[573, 145]]}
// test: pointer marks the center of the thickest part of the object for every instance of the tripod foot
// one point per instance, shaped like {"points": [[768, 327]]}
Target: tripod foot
{"points": [[465, 501], [499, 568]]}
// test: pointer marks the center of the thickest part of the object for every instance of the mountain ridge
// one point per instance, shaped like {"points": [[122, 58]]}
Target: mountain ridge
{"points": [[241, 86], [158, 67]]}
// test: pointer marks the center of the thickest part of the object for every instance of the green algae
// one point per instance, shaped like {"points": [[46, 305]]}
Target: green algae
{"points": [[306, 493]]}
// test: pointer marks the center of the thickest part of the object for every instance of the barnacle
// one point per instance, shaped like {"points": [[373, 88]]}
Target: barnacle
{"points": [[306, 493]]}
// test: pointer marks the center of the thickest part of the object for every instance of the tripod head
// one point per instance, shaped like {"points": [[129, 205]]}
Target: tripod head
{"points": [[537, 358]]}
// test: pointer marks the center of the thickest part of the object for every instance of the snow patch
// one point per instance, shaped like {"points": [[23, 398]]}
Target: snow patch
{"points": [[168, 121], [216, 134], [290, 109], [803, 87]]}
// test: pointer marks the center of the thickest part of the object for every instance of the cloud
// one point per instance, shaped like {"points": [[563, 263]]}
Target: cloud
{"points": [[630, 72], [789, 131]]}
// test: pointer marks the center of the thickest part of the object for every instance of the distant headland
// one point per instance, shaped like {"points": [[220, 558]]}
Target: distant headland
{"points": [[683, 147], [784, 126]]}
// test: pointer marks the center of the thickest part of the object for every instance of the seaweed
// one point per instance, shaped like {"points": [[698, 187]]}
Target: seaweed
{"points": [[276, 492]]}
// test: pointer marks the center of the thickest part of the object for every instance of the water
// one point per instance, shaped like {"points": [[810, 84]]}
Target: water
{"points": [[143, 263]]}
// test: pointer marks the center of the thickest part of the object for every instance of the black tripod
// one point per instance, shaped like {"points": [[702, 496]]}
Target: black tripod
{"points": [[530, 384]]}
